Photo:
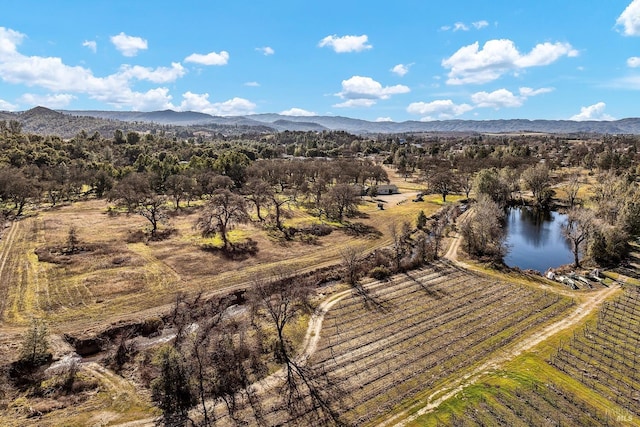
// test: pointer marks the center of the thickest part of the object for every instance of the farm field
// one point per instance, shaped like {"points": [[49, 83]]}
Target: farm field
{"points": [[404, 337], [120, 278], [397, 341], [586, 376], [605, 354]]}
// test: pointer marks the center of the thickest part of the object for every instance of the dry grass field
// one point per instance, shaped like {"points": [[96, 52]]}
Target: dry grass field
{"points": [[119, 277]]}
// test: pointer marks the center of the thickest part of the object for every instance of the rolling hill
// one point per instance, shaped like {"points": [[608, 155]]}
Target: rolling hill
{"points": [[68, 123]]}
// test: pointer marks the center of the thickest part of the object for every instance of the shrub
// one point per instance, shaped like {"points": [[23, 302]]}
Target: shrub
{"points": [[380, 272], [318, 230], [151, 326], [308, 238]]}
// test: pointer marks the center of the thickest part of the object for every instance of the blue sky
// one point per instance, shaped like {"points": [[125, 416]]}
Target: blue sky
{"points": [[401, 60]]}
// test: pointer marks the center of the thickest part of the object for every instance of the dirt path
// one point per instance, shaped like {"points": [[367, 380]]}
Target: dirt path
{"points": [[8, 238], [437, 397], [452, 252]]}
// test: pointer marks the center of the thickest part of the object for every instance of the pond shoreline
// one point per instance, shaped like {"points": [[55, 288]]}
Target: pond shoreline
{"points": [[534, 239]]}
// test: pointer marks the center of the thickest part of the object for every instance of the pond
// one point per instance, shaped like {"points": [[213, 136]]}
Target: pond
{"points": [[535, 240]]}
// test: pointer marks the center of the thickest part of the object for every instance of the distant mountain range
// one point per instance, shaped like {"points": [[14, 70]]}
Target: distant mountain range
{"points": [[318, 123], [68, 123]]}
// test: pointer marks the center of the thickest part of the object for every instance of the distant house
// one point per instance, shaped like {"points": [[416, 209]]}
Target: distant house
{"points": [[382, 189], [385, 189]]}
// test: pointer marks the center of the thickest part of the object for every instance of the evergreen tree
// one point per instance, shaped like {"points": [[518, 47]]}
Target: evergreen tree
{"points": [[35, 345]]}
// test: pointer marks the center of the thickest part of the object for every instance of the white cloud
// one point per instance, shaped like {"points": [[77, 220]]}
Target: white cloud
{"points": [[497, 99], [157, 75], [9, 40], [200, 102], [460, 26], [545, 54], [50, 101], [7, 106], [629, 19], [266, 51], [211, 58], [356, 103], [52, 74], [633, 62], [592, 112], [358, 87], [384, 119], [478, 25], [346, 44], [128, 45], [297, 112], [364, 92], [153, 99], [470, 64], [440, 109], [527, 91], [252, 84], [92, 45], [503, 98], [627, 83], [444, 109], [401, 69]]}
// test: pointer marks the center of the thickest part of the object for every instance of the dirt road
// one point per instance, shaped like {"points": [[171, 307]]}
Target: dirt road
{"points": [[8, 237]]}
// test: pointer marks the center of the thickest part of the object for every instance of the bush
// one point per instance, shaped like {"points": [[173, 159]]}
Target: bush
{"points": [[151, 326], [380, 272], [358, 229], [318, 230], [307, 238]]}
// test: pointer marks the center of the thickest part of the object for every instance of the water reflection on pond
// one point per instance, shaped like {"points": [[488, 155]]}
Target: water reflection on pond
{"points": [[535, 240]]}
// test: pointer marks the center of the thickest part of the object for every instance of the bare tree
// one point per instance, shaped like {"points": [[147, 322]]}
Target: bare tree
{"points": [[277, 201], [465, 183], [536, 178], [222, 211], [131, 190], [179, 187], [153, 209], [341, 200], [482, 230], [351, 261], [72, 240], [16, 187], [258, 192], [608, 195], [572, 187], [281, 300], [578, 229], [400, 244]]}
